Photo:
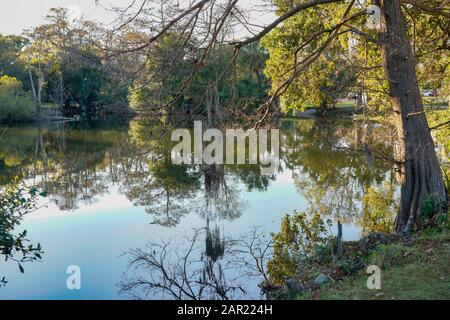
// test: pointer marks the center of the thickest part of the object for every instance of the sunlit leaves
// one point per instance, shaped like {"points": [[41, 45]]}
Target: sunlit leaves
{"points": [[301, 235], [378, 209], [292, 43]]}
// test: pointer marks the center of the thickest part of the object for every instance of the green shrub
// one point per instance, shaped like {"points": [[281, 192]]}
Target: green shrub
{"points": [[15, 103], [302, 239]]}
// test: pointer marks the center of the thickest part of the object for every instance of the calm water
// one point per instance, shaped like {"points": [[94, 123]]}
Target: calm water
{"points": [[114, 198]]}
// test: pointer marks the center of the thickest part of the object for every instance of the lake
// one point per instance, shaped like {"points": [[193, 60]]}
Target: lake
{"points": [[139, 227]]}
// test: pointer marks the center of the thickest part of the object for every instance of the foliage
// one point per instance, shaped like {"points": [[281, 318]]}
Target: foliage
{"points": [[84, 79], [439, 119], [211, 86], [10, 63], [429, 35], [300, 238], [17, 200], [322, 83], [352, 63], [442, 134], [433, 212], [442, 138], [15, 103], [379, 209], [65, 62]]}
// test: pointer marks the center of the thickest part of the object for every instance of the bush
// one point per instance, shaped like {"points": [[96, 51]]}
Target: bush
{"points": [[303, 238], [15, 103]]}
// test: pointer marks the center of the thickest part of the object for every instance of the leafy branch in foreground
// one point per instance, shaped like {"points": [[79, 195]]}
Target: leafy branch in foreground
{"points": [[17, 200]]}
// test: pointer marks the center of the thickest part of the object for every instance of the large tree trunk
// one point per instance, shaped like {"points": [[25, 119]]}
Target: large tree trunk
{"points": [[420, 174]]}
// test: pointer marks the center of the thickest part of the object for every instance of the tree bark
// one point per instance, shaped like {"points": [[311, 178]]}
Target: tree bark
{"points": [[33, 89], [40, 87], [61, 90], [419, 173]]}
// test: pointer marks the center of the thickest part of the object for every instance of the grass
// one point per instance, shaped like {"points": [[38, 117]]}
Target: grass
{"points": [[420, 271]]}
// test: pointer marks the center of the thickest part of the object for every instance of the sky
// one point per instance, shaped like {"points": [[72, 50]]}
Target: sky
{"points": [[17, 15]]}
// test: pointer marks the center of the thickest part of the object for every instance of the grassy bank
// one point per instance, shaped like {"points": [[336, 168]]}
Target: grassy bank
{"points": [[418, 270]]}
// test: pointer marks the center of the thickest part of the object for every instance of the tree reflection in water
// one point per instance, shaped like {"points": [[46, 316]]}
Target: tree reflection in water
{"points": [[334, 166], [215, 244], [183, 270], [78, 163]]}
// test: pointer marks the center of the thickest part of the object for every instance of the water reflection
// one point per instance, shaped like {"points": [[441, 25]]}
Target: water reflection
{"points": [[79, 163], [331, 176], [184, 270]]}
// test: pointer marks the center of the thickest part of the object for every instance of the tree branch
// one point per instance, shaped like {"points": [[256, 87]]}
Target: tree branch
{"points": [[287, 15]]}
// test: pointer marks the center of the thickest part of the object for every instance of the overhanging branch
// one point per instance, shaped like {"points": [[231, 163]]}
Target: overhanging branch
{"points": [[287, 15]]}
